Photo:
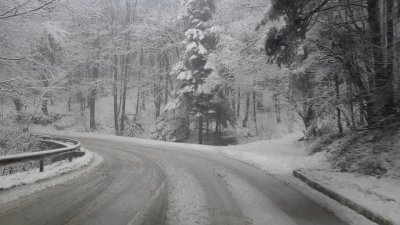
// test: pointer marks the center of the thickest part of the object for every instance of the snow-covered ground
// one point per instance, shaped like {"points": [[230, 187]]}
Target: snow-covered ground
{"points": [[59, 172], [381, 196], [278, 156]]}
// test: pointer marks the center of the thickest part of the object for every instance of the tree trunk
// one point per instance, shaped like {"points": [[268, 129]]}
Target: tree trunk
{"points": [[217, 133], [380, 103], [255, 111], [45, 111], [246, 117], [390, 105], [167, 71], [238, 103], [115, 94], [18, 107], [339, 120], [200, 129], [124, 92], [308, 118], [143, 100], [81, 100], [18, 104], [277, 108], [208, 127], [70, 93], [362, 113], [45, 96], [157, 87], [92, 106], [351, 104], [93, 92], [141, 61], [233, 96]]}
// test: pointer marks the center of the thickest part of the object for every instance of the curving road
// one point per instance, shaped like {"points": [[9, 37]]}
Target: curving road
{"points": [[145, 185]]}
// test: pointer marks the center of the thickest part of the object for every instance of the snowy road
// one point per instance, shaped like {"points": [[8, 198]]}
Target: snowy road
{"points": [[146, 185]]}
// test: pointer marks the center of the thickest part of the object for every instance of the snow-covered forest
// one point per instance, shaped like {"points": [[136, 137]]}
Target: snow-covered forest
{"points": [[213, 72], [200, 112]]}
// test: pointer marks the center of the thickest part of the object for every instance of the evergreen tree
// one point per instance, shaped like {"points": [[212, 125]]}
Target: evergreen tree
{"points": [[197, 93]]}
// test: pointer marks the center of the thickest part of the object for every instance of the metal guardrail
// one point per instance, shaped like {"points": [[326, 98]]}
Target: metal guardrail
{"points": [[41, 155]]}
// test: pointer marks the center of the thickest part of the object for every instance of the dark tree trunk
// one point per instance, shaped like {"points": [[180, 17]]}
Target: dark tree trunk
{"points": [[351, 104], [339, 119], [238, 103], [208, 127], [92, 108], [18, 107], [46, 84], [200, 129], [218, 132], [308, 118], [115, 94], [381, 102], [255, 111], [362, 113], [246, 117], [18, 104], [157, 87], [167, 71], [45, 111], [143, 100], [277, 105], [389, 108], [92, 100], [81, 100], [124, 92], [93, 92], [69, 102], [141, 62], [233, 95]]}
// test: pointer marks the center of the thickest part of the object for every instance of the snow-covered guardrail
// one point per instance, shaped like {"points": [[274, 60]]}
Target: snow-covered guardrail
{"points": [[41, 155]]}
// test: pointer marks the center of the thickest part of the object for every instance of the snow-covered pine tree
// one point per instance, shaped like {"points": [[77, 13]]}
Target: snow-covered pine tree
{"points": [[197, 94]]}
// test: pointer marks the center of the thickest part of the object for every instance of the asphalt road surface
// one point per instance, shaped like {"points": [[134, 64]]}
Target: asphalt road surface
{"points": [[162, 185]]}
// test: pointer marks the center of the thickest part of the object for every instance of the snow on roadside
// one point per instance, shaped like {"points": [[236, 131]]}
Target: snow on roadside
{"points": [[31, 181], [33, 175], [279, 156], [381, 196]]}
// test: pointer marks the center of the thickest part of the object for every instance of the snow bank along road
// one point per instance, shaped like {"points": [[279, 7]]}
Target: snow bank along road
{"points": [[165, 185]]}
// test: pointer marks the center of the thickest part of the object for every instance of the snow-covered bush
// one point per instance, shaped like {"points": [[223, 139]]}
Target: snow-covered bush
{"points": [[65, 121], [15, 141]]}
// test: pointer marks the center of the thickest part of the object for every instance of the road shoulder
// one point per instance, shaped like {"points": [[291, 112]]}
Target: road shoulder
{"points": [[23, 184], [379, 203]]}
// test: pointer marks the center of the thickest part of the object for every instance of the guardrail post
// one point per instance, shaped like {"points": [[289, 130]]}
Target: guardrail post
{"points": [[70, 157], [41, 166]]}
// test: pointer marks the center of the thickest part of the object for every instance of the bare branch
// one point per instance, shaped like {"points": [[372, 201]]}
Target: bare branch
{"points": [[15, 9]]}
